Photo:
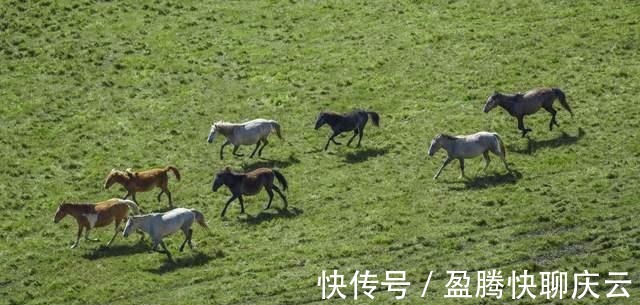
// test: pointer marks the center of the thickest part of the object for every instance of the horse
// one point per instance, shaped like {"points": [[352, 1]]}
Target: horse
{"points": [[250, 184], [355, 120], [159, 225], [519, 105], [89, 216], [247, 133], [469, 146], [142, 181]]}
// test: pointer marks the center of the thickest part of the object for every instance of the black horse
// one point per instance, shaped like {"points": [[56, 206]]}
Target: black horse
{"points": [[250, 183], [340, 123]]}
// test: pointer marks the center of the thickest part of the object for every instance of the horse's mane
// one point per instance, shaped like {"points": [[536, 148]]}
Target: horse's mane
{"points": [[448, 136]]}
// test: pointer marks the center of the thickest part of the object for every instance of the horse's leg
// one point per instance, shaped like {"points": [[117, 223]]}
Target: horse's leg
{"points": [[355, 133], [166, 191], [160, 194], [521, 126], [126, 195], [335, 134], [222, 148], [190, 236], [461, 167], [487, 160], [241, 204], [264, 143], [360, 134], [332, 140], [115, 233], [166, 250], [233, 197], [80, 227], [277, 189], [255, 149], [133, 196], [235, 151], [549, 108], [186, 232], [446, 161], [270, 193]]}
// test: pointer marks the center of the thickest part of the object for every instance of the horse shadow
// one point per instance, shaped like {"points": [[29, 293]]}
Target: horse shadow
{"points": [[271, 163], [365, 154], [118, 250], [196, 260], [561, 140], [483, 182], [266, 216]]}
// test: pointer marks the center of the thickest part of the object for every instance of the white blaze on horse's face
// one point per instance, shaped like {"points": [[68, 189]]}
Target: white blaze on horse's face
{"points": [[490, 104], [212, 134], [433, 148], [128, 227]]}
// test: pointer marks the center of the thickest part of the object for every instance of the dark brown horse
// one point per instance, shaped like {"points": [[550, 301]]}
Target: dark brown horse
{"points": [[250, 184], [89, 216], [355, 120], [142, 181], [519, 105]]}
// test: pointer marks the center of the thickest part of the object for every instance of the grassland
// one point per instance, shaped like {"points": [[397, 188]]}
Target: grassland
{"points": [[87, 86]]}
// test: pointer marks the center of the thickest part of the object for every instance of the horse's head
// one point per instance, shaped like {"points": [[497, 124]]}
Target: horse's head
{"points": [[112, 178], [61, 212], [321, 120], [212, 132], [435, 145], [220, 179], [130, 226], [492, 102]]}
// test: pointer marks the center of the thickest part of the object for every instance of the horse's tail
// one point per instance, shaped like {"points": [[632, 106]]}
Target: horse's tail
{"points": [[374, 117], [503, 150], [563, 100], [132, 206], [276, 126], [199, 218], [281, 179], [174, 170]]}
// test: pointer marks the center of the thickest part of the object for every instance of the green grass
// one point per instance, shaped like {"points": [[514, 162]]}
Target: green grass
{"points": [[87, 86]]}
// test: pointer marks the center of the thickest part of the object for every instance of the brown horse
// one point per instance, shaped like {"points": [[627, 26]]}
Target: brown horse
{"points": [[249, 184], [142, 181], [519, 105], [97, 215], [355, 120]]}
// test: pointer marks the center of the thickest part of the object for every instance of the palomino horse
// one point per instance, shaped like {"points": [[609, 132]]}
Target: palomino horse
{"points": [[519, 105], [142, 181], [250, 184], [97, 215], [247, 133], [355, 120], [159, 225], [461, 147]]}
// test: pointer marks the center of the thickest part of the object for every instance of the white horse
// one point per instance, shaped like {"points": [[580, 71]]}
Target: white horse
{"points": [[469, 146], [247, 133], [159, 225]]}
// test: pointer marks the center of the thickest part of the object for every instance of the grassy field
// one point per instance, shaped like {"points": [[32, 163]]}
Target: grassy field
{"points": [[87, 86]]}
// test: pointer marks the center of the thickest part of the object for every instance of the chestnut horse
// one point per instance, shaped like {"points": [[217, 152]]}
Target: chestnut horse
{"points": [[96, 215], [519, 105], [355, 120], [250, 184], [142, 181]]}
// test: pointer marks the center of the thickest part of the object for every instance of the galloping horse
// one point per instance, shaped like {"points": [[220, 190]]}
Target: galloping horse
{"points": [[520, 105], [159, 225], [142, 181], [97, 215], [461, 147], [355, 120], [247, 133], [249, 184]]}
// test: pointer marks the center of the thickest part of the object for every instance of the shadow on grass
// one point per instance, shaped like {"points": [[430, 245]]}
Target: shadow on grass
{"points": [[271, 163], [561, 140], [483, 182], [365, 154], [117, 250], [198, 259], [267, 216]]}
